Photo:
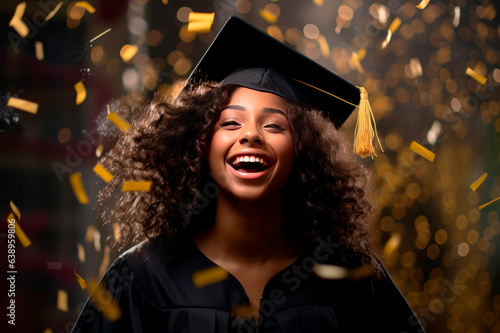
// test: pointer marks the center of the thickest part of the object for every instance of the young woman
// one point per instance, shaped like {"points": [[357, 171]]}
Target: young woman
{"points": [[254, 191]]}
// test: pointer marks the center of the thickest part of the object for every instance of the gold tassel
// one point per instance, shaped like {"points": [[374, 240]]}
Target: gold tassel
{"points": [[364, 132]]}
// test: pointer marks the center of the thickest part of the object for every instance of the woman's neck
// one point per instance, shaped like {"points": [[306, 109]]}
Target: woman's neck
{"points": [[246, 232]]}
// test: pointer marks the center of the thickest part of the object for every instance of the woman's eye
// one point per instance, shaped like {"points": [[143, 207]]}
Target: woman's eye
{"points": [[228, 122], [275, 125]]}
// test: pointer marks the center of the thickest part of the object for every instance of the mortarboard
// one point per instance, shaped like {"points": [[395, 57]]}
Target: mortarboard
{"points": [[243, 55]]}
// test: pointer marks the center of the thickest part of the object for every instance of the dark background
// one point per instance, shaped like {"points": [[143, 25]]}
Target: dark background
{"points": [[446, 262]]}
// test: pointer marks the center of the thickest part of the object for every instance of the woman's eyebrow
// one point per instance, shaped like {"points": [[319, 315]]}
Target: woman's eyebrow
{"points": [[265, 109]]}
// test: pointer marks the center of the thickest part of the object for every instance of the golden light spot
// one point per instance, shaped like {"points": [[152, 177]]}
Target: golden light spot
{"points": [[441, 236], [463, 249], [97, 54], [209, 276], [62, 300], [64, 135], [432, 251], [242, 6]]}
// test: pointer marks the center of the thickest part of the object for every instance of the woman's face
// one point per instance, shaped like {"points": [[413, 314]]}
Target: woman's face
{"points": [[252, 153]]}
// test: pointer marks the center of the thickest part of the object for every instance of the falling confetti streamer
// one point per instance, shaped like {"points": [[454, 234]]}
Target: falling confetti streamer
{"points": [[392, 244], [488, 203], [81, 252], [62, 300], [77, 184], [422, 151], [456, 16], [39, 51], [100, 35], [89, 234], [332, 272], [21, 236], [242, 311], [323, 45], [200, 22], [118, 121], [476, 76], [23, 105], [128, 52], [80, 280], [103, 173], [54, 11], [104, 301], [15, 210], [85, 5], [209, 276], [423, 4], [81, 92], [137, 186], [97, 240], [395, 24], [478, 182], [17, 23]]}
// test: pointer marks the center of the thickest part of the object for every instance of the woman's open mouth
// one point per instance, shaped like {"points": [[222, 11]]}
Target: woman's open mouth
{"points": [[249, 163]]}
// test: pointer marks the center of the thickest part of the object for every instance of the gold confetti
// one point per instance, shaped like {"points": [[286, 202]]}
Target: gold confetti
{"points": [[209, 276], [415, 67], [81, 92], [476, 76], [81, 252], [23, 105], [85, 5], [332, 272], [118, 121], [103, 173], [89, 234], [54, 11], [80, 280], [39, 51], [99, 150], [21, 236], [100, 35], [17, 23], [15, 210], [97, 240], [478, 182], [489, 203], [242, 311], [200, 22], [323, 45], [422, 151], [77, 184], [392, 244], [128, 52], [62, 300], [104, 301], [456, 16], [423, 4], [392, 29], [268, 16], [137, 186]]}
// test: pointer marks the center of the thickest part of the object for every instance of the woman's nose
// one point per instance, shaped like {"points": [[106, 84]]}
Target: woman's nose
{"points": [[251, 135]]}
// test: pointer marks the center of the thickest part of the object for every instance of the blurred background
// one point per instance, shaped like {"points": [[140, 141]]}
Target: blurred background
{"points": [[433, 75]]}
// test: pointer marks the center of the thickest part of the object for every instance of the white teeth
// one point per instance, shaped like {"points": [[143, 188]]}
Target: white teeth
{"points": [[252, 159]]}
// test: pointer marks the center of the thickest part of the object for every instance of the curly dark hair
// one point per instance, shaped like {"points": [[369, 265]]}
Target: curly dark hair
{"points": [[327, 195]]}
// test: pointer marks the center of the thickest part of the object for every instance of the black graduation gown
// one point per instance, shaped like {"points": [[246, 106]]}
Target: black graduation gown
{"points": [[157, 297]]}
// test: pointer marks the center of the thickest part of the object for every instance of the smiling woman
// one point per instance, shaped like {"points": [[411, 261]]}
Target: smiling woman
{"points": [[290, 196]]}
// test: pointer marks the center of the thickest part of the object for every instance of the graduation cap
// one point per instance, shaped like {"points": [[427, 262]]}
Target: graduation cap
{"points": [[245, 56]]}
